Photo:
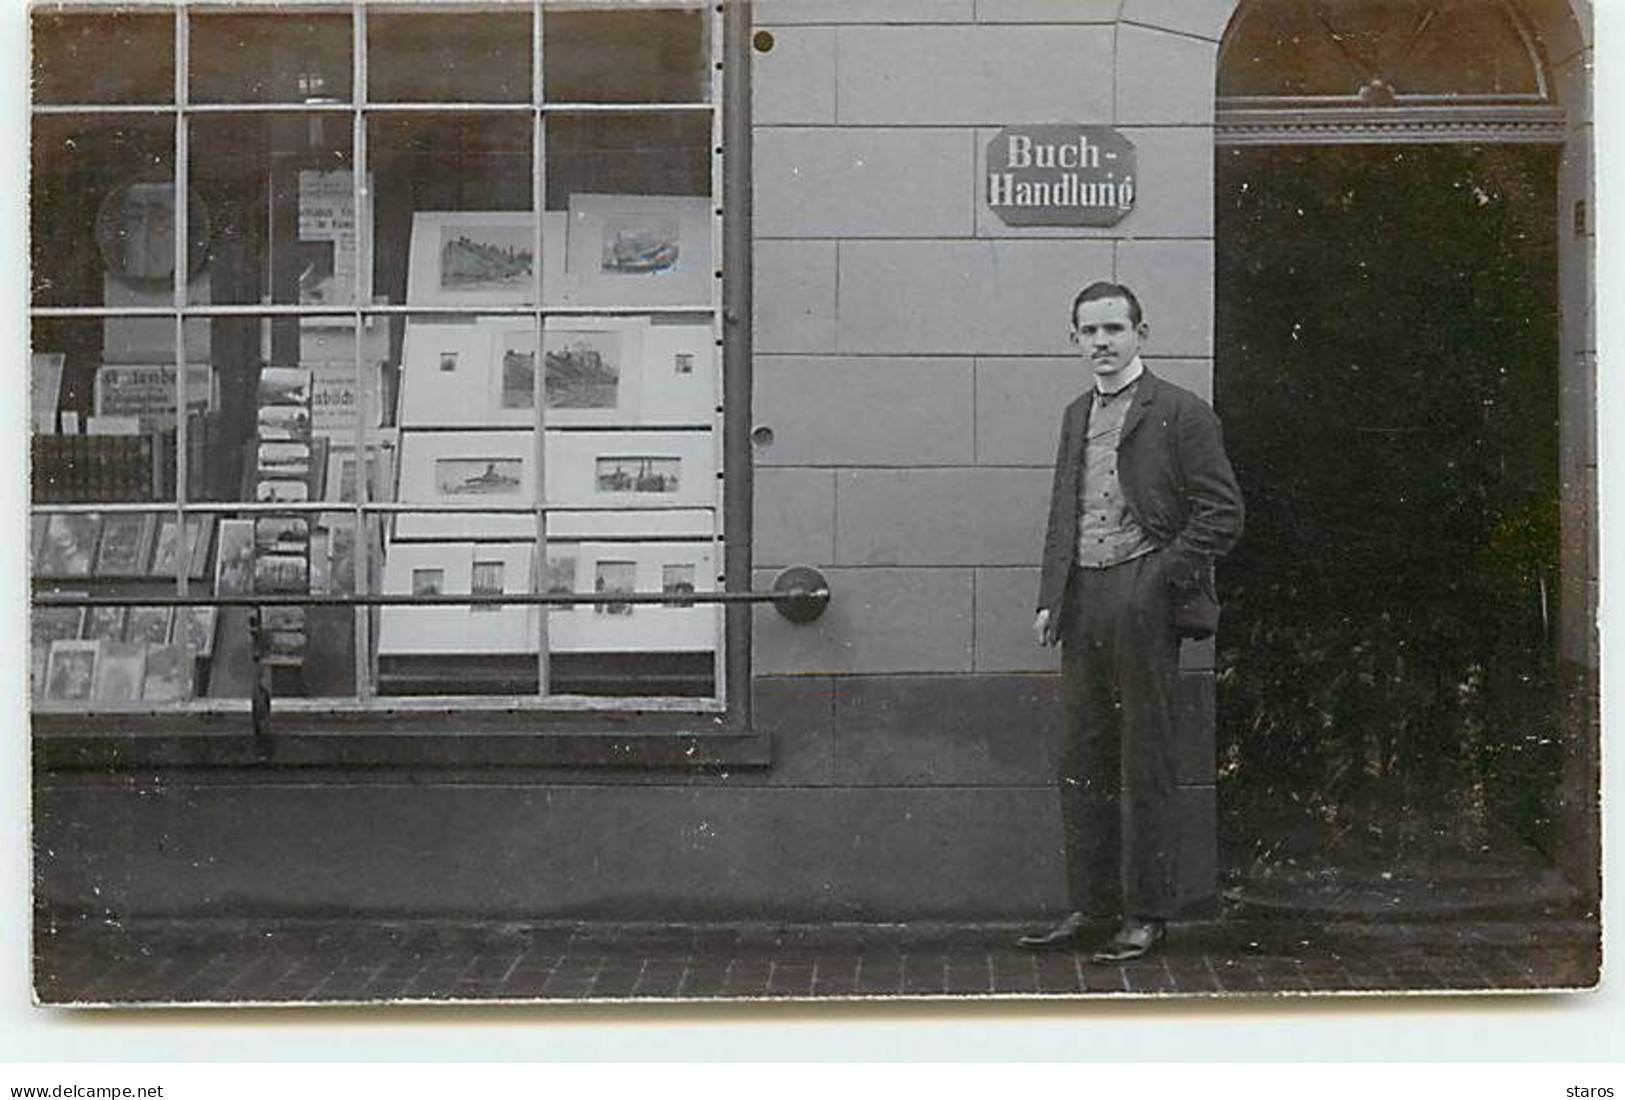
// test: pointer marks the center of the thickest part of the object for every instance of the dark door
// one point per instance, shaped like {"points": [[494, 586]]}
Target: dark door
{"points": [[1387, 373]]}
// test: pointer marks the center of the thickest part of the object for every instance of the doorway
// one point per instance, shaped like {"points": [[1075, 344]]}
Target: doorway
{"points": [[1387, 335]]}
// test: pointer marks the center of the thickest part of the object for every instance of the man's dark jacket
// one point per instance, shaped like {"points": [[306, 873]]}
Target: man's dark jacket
{"points": [[1178, 484]]}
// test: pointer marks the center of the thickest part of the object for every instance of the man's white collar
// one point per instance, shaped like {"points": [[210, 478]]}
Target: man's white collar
{"points": [[1121, 380]]}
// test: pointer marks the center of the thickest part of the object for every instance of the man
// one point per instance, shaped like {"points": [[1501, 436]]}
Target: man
{"points": [[1144, 501]]}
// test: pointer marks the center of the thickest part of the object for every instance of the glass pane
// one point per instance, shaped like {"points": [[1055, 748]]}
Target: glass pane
{"points": [[464, 56], [289, 57], [104, 57], [279, 197], [101, 209], [651, 55], [427, 168]]}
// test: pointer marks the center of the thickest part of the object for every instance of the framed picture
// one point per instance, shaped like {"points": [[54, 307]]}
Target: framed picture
{"points": [[120, 670], [652, 250], [104, 624], [148, 625], [475, 468], [477, 258], [199, 530], [234, 564], [70, 674], [170, 673], [68, 547], [193, 630], [126, 544], [632, 469], [284, 386]]}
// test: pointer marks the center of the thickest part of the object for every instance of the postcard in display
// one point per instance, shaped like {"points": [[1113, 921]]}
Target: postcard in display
{"points": [[282, 618], [68, 546], [234, 564], [281, 534], [147, 392], [70, 675], [484, 469], [171, 670], [284, 460], [282, 573], [320, 565], [45, 369], [126, 543], [194, 630], [120, 670], [284, 422], [150, 625], [104, 624], [285, 647], [636, 250], [449, 568], [284, 386], [282, 491], [592, 371], [199, 530]]}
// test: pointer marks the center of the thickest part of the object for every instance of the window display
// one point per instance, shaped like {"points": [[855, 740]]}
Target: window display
{"points": [[500, 306]]}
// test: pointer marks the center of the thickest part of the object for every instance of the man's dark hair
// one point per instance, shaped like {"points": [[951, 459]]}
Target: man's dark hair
{"points": [[1101, 291]]}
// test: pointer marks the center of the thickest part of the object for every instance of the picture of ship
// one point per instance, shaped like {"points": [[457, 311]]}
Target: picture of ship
{"points": [[639, 245], [638, 474], [477, 476]]}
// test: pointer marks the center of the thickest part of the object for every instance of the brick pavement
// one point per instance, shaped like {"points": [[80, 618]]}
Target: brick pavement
{"points": [[346, 962]]}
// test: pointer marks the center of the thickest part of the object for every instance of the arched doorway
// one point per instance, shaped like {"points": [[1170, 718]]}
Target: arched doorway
{"points": [[1391, 358]]}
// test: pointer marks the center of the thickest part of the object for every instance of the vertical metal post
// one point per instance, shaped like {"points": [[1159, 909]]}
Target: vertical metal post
{"points": [[717, 72], [183, 560], [538, 206], [361, 295], [736, 350]]}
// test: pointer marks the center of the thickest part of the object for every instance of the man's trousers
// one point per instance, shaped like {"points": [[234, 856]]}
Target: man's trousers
{"points": [[1119, 675]]}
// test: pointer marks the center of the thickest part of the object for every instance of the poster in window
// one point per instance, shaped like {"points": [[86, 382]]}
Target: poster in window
{"points": [[146, 391], [68, 545], [70, 673], [640, 250], [126, 543]]}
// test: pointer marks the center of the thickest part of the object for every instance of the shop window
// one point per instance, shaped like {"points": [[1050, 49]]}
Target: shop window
{"points": [[438, 324]]}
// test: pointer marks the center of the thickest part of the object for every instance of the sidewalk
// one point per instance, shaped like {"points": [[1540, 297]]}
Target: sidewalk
{"points": [[346, 962]]}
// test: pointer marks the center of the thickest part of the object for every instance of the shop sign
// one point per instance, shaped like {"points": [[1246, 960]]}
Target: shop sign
{"points": [[1060, 175]]}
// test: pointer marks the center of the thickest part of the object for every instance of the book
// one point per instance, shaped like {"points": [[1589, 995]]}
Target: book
{"points": [[103, 624], [47, 625], [46, 393], [120, 670], [70, 672], [68, 546], [193, 630], [170, 673], [126, 544], [149, 625]]}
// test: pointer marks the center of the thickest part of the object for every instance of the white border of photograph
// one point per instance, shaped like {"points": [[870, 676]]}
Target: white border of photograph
{"points": [[648, 628], [421, 454], [452, 629], [687, 282], [573, 468], [433, 397], [675, 523], [423, 283], [679, 375]]}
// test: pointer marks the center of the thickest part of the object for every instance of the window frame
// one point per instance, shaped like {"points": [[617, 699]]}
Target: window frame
{"points": [[370, 729]]}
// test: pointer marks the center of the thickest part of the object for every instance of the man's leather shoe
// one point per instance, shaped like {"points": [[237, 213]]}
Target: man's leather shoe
{"points": [[1135, 940], [1068, 931]]}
